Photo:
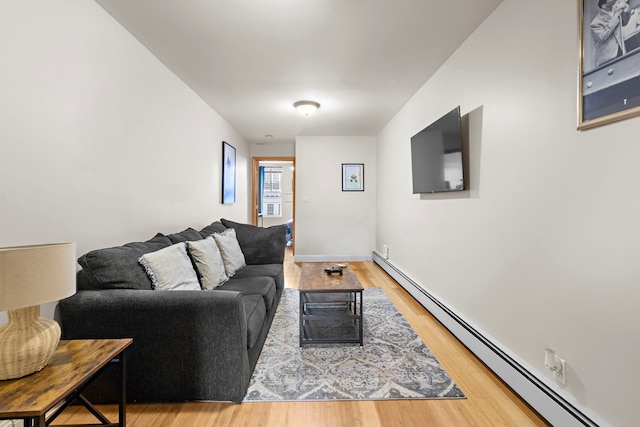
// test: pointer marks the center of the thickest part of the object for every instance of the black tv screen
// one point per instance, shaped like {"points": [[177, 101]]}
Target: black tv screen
{"points": [[436, 156]]}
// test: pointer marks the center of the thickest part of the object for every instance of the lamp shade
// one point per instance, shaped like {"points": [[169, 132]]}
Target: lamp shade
{"points": [[34, 275]]}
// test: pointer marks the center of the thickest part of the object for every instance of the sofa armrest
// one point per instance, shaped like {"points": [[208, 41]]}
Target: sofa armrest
{"points": [[186, 344]]}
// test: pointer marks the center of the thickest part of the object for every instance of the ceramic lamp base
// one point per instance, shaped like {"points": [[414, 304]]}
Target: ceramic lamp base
{"points": [[27, 342]]}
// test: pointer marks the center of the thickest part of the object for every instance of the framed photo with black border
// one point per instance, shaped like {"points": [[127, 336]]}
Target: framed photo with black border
{"points": [[609, 61], [228, 173], [353, 177]]}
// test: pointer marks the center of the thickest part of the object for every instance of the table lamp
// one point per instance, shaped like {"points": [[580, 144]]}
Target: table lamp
{"points": [[30, 276]]}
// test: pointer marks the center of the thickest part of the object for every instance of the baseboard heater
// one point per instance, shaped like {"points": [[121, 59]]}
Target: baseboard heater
{"points": [[549, 404]]}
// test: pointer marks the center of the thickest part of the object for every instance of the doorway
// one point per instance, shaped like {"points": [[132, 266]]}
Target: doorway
{"points": [[273, 193]]}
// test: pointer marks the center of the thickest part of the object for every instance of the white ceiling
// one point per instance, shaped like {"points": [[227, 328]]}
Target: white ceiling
{"points": [[250, 60]]}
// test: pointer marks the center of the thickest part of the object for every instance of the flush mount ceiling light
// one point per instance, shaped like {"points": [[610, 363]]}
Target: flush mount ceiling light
{"points": [[306, 107]]}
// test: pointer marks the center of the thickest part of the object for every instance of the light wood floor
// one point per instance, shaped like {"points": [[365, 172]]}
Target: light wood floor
{"points": [[489, 402]]}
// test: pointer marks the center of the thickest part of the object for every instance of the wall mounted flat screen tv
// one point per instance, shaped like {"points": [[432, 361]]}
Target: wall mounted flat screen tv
{"points": [[436, 156]]}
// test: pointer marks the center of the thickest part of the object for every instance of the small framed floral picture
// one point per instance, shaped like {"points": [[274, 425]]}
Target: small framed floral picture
{"points": [[353, 177]]}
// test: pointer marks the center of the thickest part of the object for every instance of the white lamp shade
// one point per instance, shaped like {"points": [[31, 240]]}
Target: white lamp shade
{"points": [[34, 275]]}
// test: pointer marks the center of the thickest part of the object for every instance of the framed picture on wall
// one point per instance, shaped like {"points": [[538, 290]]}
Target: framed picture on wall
{"points": [[352, 177], [228, 174], [609, 61]]}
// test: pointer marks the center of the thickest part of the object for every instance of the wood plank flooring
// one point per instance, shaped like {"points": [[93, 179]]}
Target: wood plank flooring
{"points": [[489, 401]]}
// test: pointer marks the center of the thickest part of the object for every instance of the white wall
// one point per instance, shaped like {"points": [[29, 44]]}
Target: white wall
{"points": [[281, 149], [332, 224], [99, 142], [542, 251]]}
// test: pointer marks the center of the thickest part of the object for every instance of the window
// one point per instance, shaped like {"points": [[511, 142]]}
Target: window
{"points": [[272, 192], [272, 180], [273, 209]]}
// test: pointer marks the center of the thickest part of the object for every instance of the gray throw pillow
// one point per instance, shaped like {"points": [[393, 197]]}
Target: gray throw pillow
{"points": [[170, 269], [214, 227], [260, 245], [184, 236], [118, 267], [208, 261], [232, 255]]}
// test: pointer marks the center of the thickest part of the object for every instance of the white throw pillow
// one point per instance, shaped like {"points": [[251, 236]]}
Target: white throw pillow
{"points": [[170, 269], [208, 261], [230, 250]]}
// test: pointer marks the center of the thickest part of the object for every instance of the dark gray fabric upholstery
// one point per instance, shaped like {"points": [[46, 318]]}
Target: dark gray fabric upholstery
{"points": [[214, 227], [260, 245], [187, 345], [276, 271], [263, 286], [255, 313], [118, 267], [188, 235], [83, 283]]}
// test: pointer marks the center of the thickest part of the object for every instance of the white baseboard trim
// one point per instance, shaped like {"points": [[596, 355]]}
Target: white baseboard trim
{"points": [[330, 258], [546, 401]]}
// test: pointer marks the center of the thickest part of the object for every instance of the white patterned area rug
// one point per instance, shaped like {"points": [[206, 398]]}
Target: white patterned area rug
{"points": [[393, 363]]}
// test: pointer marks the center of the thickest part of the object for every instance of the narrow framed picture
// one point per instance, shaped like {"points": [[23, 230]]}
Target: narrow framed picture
{"points": [[353, 177], [228, 173], [609, 61]]}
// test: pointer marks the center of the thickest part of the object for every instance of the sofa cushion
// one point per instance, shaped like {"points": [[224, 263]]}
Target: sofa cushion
{"points": [[256, 314], [260, 245], [214, 227], [118, 267], [184, 236], [230, 250], [264, 286], [208, 262], [276, 271], [170, 269]]}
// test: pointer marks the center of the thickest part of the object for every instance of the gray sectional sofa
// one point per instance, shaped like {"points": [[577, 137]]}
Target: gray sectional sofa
{"points": [[188, 345]]}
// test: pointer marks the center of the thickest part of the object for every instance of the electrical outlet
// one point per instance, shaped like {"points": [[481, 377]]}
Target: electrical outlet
{"points": [[561, 374], [556, 365], [385, 251]]}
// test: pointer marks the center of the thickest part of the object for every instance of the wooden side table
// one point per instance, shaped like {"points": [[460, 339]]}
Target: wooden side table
{"points": [[40, 397]]}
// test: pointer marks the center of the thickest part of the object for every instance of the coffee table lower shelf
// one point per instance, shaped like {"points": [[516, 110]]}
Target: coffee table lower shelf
{"points": [[330, 317]]}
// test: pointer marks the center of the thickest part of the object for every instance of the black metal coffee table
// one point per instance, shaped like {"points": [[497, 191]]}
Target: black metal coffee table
{"points": [[330, 306]]}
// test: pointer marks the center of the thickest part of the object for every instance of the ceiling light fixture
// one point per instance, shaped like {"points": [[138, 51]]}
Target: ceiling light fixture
{"points": [[306, 107]]}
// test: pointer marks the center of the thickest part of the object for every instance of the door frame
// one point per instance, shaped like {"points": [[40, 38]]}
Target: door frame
{"points": [[254, 188]]}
